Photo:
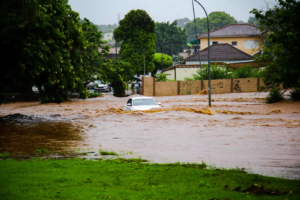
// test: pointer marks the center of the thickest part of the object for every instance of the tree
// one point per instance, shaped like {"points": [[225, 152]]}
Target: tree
{"points": [[117, 72], [281, 49], [253, 21], [169, 38], [181, 22], [160, 59], [51, 53], [137, 34], [216, 20]]}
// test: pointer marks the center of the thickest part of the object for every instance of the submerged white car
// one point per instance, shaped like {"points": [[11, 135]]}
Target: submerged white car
{"points": [[141, 103]]}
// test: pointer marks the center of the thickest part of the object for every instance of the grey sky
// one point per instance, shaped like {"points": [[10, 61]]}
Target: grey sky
{"points": [[105, 11]]}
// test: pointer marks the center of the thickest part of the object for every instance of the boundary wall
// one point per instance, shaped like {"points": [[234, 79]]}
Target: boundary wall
{"points": [[171, 88]]}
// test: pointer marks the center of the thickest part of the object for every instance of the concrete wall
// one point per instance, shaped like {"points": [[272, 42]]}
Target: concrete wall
{"points": [[168, 88], [148, 86], [219, 86], [189, 87], [170, 74], [240, 43], [245, 85], [181, 73]]}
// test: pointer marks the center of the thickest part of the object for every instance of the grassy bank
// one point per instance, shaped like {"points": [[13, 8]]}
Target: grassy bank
{"points": [[129, 179]]}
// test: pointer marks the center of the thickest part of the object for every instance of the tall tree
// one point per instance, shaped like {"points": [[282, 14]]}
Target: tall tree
{"points": [[137, 34], [216, 20], [169, 38], [51, 53], [281, 49]]}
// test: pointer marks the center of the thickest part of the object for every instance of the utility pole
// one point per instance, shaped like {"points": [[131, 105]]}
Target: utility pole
{"points": [[172, 52], [162, 60], [144, 62]]}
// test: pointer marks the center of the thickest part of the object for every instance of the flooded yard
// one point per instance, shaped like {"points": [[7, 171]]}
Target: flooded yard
{"points": [[244, 132]]}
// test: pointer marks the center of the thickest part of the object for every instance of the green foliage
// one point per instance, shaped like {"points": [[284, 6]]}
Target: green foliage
{"points": [[160, 59], [215, 73], [275, 95], [179, 58], [281, 49], [57, 53], [130, 179], [188, 79], [43, 151], [4, 154], [169, 38], [94, 94], [246, 72], [137, 34], [216, 20], [295, 94], [104, 153], [253, 21], [161, 77], [117, 72]]}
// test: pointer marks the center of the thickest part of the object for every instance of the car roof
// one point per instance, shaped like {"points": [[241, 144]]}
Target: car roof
{"points": [[133, 98]]}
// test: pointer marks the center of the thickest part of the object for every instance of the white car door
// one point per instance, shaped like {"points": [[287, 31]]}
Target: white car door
{"points": [[128, 105]]}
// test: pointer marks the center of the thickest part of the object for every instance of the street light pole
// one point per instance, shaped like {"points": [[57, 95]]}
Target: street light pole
{"points": [[209, 91]]}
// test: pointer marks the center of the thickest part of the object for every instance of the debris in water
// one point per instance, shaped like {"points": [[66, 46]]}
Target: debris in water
{"points": [[234, 112], [275, 112], [202, 92]]}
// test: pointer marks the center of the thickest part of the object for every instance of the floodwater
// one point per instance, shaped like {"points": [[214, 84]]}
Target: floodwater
{"points": [[243, 132]]}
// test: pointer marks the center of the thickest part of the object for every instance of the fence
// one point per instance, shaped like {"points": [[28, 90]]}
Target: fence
{"points": [[219, 86]]}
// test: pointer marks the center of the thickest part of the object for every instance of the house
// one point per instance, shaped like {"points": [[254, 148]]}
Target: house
{"points": [[108, 36], [245, 37], [220, 54], [113, 52]]}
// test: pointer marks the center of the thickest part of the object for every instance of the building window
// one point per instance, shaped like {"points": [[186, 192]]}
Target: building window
{"points": [[234, 43], [215, 42]]}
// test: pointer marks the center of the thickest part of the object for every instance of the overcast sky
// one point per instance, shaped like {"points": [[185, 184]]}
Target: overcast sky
{"points": [[106, 11]]}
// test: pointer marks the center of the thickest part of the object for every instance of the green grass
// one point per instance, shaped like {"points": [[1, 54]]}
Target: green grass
{"points": [[101, 152], [123, 179]]}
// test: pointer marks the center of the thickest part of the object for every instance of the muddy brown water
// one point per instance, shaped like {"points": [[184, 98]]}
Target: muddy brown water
{"points": [[262, 138]]}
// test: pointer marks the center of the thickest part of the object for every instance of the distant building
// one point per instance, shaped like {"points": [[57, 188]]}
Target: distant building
{"points": [[245, 37], [108, 36]]}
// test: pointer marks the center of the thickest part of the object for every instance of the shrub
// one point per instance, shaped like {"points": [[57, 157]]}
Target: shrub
{"points": [[161, 77], [94, 94], [274, 96], [246, 72], [295, 94], [188, 79], [215, 73]]}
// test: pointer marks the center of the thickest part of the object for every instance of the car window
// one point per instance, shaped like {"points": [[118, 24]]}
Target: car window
{"points": [[144, 102], [129, 101], [98, 82]]}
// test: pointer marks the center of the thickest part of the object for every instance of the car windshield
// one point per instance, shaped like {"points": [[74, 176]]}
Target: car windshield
{"points": [[98, 82], [144, 102]]}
